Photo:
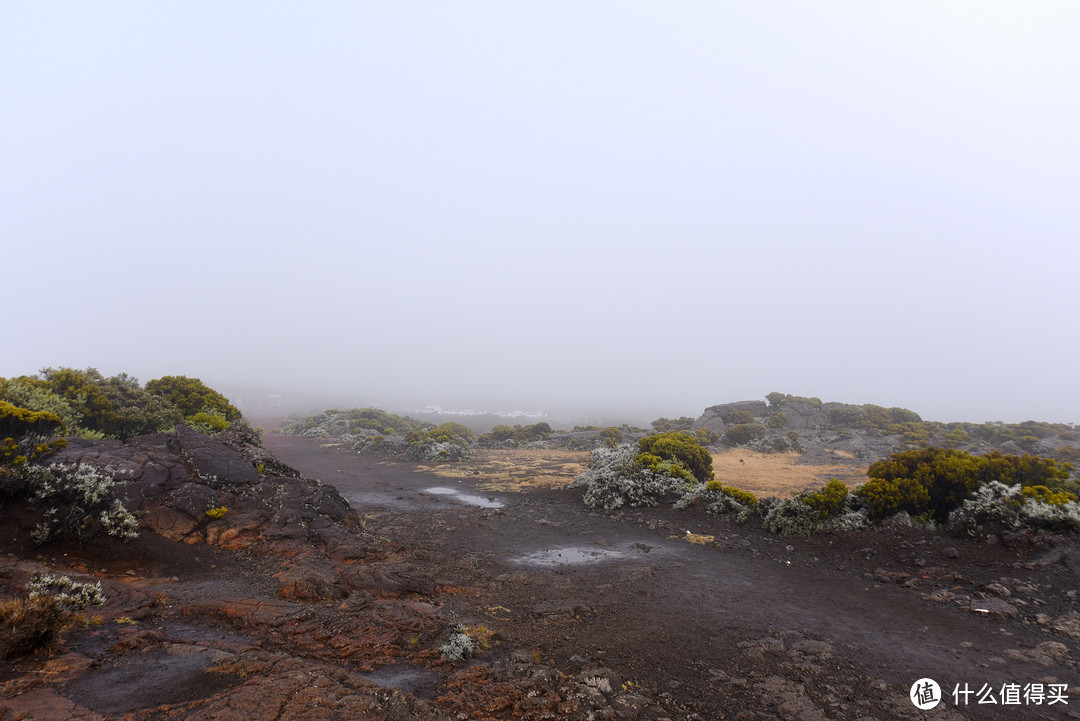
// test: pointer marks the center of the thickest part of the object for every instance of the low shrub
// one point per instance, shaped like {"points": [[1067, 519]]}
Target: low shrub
{"points": [[997, 506], [28, 625], [829, 501], [682, 449], [738, 418], [502, 436], [430, 451], [208, 422], [791, 517], [71, 595], [744, 433], [79, 502], [888, 497], [191, 396], [796, 517], [36, 621], [460, 646], [615, 480], [707, 437], [730, 503]]}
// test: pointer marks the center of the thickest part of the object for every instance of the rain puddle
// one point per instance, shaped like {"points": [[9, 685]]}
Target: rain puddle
{"points": [[367, 499], [574, 555], [405, 678], [483, 502]]}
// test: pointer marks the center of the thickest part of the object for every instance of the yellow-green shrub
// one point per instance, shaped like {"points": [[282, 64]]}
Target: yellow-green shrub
{"points": [[681, 448], [829, 500], [884, 497], [1042, 494]]}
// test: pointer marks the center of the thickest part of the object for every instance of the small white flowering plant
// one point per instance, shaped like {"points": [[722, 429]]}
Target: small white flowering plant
{"points": [[79, 501]]}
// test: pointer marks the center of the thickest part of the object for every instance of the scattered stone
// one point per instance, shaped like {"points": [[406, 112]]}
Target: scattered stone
{"points": [[1069, 624], [994, 607]]}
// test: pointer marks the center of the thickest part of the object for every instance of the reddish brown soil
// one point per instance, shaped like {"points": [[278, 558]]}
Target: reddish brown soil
{"points": [[752, 625]]}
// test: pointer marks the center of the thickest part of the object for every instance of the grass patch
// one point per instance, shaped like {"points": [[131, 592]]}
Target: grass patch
{"points": [[778, 474]]}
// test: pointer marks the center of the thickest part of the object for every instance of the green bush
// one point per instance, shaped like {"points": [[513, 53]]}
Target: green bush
{"points": [[1042, 494], [1028, 470], [737, 418], [446, 433], [25, 435], [744, 497], [682, 448], [706, 437], [611, 436], [946, 479], [208, 422], [19, 392], [744, 433], [17, 422], [777, 400], [829, 501], [885, 497], [93, 406], [518, 435], [191, 396], [936, 481], [662, 466], [663, 425]]}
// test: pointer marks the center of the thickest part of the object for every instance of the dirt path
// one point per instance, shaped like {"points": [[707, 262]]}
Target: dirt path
{"points": [[800, 628]]}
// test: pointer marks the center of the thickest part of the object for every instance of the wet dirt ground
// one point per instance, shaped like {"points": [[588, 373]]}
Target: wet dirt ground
{"points": [[743, 625]]}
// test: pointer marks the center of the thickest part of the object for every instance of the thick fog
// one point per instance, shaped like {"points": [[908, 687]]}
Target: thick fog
{"points": [[523, 205]]}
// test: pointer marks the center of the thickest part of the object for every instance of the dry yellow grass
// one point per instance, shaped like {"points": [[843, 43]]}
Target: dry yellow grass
{"points": [[763, 474], [777, 474], [516, 470]]}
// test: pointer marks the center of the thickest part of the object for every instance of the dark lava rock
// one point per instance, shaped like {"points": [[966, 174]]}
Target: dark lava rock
{"points": [[214, 461]]}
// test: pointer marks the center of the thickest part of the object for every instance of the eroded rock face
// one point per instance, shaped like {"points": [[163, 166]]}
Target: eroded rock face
{"points": [[213, 461], [196, 489]]}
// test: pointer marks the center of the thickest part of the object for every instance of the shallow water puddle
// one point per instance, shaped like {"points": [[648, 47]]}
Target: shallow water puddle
{"points": [[405, 678], [574, 555], [488, 502]]}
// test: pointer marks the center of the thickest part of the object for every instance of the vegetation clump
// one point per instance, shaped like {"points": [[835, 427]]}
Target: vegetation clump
{"points": [[372, 430], [86, 404], [723, 501], [191, 396], [683, 451], [616, 479], [997, 506], [663, 425], [744, 433], [79, 502], [460, 646], [932, 482], [35, 621], [502, 436]]}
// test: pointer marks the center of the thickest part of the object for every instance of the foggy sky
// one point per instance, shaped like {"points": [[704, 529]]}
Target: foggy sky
{"points": [[528, 204]]}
